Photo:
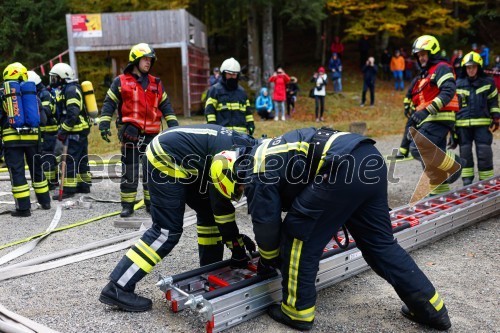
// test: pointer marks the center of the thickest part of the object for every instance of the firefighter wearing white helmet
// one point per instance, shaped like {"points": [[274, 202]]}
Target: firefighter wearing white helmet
{"points": [[20, 139], [49, 130], [140, 113], [227, 103], [74, 129], [432, 94], [478, 117]]}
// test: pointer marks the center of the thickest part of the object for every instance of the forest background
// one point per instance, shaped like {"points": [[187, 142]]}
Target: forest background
{"points": [[263, 34]]}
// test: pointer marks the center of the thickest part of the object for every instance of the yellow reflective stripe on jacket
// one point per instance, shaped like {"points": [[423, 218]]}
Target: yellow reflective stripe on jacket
{"points": [[440, 116], [249, 118], [260, 158], [473, 122], [113, 96], [301, 146], [50, 128], [463, 92], [170, 117], [211, 117], [483, 88], [231, 106], [302, 315], [161, 161], [238, 129], [222, 219], [436, 301], [328, 144], [443, 78], [293, 272], [163, 97], [211, 101], [269, 254], [493, 94], [105, 118]]}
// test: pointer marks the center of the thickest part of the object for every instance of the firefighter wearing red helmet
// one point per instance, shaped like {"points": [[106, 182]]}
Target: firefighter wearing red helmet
{"points": [[142, 102]]}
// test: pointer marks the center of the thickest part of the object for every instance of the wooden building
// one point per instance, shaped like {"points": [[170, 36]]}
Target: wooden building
{"points": [[179, 39]]}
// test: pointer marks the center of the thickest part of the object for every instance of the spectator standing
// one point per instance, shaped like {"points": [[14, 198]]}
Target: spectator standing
{"points": [[457, 63], [292, 88], [397, 68], [485, 54], [215, 77], [385, 61], [364, 48], [409, 66], [369, 75], [335, 66], [280, 80], [337, 47], [320, 80], [264, 104]]}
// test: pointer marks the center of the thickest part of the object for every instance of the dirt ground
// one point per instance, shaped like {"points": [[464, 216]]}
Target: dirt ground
{"points": [[464, 267]]}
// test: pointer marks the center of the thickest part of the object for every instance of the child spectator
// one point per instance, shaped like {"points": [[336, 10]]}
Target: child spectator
{"points": [[280, 80], [335, 66], [292, 89], [264, 104]]}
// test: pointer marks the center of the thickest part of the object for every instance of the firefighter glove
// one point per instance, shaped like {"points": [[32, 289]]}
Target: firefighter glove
{"points": [[409, 108], [452, 140], [249, 243], [251, 128], [105, 134], [62, 136], [239, 258], [130, 133], [268, 266], [495, 124], [419, 116]]}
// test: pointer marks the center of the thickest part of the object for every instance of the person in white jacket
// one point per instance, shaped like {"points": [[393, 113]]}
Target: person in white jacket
{"points": [[320, 79]]}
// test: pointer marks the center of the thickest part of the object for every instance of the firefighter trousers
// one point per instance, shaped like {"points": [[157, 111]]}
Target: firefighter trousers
{"points": [[482, 138], [169, 197], [15, 159], [354, 194], [49, 162], [132, 155], [77, 177]]}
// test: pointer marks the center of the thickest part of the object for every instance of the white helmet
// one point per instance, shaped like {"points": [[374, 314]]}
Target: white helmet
{"points": [[34, 77], [231, 66], [64, 71]]}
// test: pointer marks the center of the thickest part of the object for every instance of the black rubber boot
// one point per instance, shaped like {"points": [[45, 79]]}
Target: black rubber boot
{"points": [[112, 294], [65, 195], [440, 322], [274, 311], [467, 181], [21, 213], [45, 206], [85, 189], [127, 210]]}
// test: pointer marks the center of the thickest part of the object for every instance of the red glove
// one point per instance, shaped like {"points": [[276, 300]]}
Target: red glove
{"points": [[495, 124]]}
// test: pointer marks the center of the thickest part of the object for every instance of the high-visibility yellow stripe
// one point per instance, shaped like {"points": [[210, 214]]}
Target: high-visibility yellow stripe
{"points": [[207, 230], [167, 160], [302, 315], [19, 195], [444, 78], [249, 118], [293, 272], [473, 122], [222, 219], [463, 92], [483, 88], [170, 117], [209, 240], [211, 117], [269, 254], [69, 182], [486, 174], [112, 96], [146, 195], [211, 101], [448, 161], [440, 116], [164, 97], [105, 118], [76, 101], [148, 251], [439, 189], [467, 172], [50, 128], [139, 261], [493, 94], [128, 196], [327, 147], [436, 301], [260, 158], [238, 129]]}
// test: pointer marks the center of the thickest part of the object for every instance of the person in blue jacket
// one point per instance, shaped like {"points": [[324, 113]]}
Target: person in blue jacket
{"points": [[264, 104]]}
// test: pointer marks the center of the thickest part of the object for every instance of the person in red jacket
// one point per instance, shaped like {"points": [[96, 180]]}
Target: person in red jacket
{"points": [[280, 79], [337, 47]]}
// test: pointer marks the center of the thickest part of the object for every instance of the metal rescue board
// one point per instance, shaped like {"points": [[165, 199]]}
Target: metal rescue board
{"points": [[225, 297]]}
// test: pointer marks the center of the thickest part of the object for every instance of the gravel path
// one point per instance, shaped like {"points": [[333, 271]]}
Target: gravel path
{"points": [[463, 266]]}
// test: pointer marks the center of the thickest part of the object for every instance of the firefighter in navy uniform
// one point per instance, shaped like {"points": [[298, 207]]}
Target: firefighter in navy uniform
{"points": [[227, 103], [20, 146], [323, 179], [434, 97], [141, 101], [479, 111], [177, 166], [73, 131], [48, 131]]}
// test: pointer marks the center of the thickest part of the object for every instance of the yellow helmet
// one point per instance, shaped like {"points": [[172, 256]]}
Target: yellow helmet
{"points": [[472, 58], [223, 175], [141, 50], [15, 71], [426, 43]]}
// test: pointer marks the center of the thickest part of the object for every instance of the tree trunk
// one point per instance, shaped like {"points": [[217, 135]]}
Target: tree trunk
{"points": [[319, 42], [254, 65], [267, 42], [279, 42], [323, 41]]}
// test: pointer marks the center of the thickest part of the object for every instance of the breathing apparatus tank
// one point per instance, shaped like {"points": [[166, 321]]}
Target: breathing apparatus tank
{"points": [[30, 104], [90, 102], [13, 103]]}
